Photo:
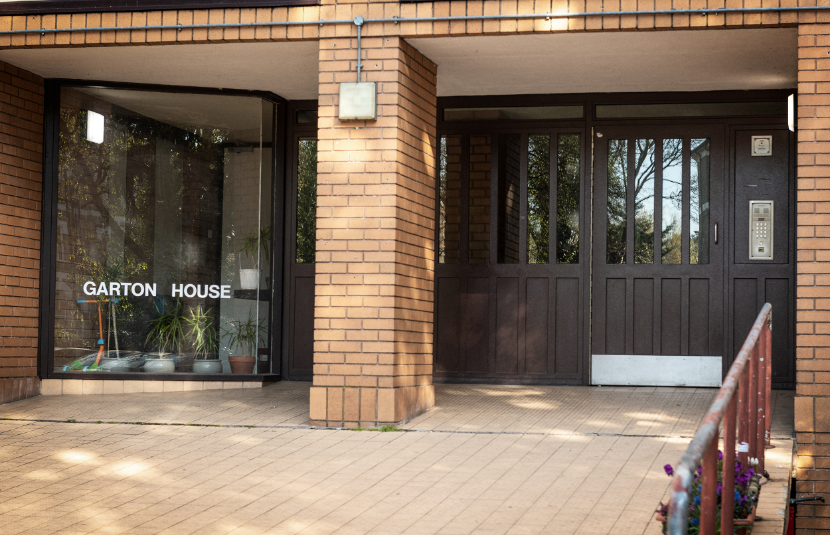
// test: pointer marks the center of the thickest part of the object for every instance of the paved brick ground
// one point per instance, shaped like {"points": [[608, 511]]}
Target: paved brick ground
{"points": [[486, 460]]}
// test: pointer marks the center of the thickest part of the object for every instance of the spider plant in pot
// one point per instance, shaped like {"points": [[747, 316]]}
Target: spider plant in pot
{"points": [[204, 339], [245, 336], [256, 246], [167, 335]]}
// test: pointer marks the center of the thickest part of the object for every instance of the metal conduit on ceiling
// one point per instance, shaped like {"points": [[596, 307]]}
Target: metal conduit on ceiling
{"points": [[396, 20]]}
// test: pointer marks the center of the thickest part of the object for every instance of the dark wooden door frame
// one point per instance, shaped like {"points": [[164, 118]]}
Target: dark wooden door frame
{"points": [[715, 270], [291, 268], [494, 271]]}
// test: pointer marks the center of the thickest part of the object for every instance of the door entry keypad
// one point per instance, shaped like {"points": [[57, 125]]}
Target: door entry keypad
{"points": [[760, 230]]}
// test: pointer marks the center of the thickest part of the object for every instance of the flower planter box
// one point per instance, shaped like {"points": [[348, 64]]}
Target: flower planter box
{"points": [[742, 525]]}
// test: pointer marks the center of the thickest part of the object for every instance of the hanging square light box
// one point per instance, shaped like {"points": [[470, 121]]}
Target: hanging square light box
{"points": [[358, 101]]}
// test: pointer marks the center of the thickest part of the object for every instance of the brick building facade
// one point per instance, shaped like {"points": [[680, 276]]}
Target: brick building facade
{"points": [[375, 288]]}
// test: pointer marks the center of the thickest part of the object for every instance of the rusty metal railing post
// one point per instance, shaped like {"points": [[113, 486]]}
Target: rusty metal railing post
{"points": [[743, 401], [743, 419], [728, 493], [761, 418], [767, 335], [709, 489], [752, 437]]}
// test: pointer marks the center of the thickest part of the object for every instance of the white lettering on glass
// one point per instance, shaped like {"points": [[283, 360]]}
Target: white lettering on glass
{"points": [[188, 292], [138, 289]]}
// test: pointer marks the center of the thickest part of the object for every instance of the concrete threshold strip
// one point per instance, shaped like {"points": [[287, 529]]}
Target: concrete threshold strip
{"points": [[359, 21], [239, 426]]}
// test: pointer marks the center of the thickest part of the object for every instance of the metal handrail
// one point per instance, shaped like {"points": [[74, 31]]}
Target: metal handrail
{"points": [[751, 376]]}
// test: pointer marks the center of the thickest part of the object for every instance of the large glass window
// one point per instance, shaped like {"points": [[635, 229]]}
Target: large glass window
{"points": [[163, 232], [677, 185]]}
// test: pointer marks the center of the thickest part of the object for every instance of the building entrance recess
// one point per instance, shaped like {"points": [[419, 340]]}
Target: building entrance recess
{"points": [[612, 249]]}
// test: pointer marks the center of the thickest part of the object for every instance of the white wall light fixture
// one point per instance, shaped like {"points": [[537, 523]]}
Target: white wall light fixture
{"points": [[791, 112], [358, 100], [94, 127]]}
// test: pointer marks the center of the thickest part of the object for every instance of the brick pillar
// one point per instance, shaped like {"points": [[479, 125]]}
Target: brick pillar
{"points": [[21, 156], [812, 402], [375, 233]]}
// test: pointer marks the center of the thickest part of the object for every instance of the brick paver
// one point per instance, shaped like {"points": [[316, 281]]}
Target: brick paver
{"points": [[551, 460]]}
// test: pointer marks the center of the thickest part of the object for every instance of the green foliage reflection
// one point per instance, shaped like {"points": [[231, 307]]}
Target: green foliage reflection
{"points": [[307, 201], [567, 200], [538, 199]]}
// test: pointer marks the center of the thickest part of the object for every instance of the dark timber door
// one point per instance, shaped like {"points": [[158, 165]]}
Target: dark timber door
{"points": [[512, 250], [658, 262]]}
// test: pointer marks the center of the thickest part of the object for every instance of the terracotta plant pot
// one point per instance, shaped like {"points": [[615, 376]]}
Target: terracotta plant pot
{"points": [[242, 364]]}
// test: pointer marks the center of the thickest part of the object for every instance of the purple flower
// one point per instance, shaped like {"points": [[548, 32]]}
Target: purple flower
{"points": [[669, 470], [720, 455]]}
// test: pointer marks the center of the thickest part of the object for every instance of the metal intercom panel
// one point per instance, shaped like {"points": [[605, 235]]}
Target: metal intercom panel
{"points": [[760, 230]]}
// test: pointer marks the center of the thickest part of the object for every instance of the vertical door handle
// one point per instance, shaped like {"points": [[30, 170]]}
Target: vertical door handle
{"points": [[716, 233]]}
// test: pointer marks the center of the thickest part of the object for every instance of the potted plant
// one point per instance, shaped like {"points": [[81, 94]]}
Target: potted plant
{"points": [[255, 245], [166, 333], [245, 336], [204, 339]]}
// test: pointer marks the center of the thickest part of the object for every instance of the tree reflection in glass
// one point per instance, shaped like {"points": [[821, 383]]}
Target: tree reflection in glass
{"points": [[644, 174], [671, 232], [449, 200], [307, 201], [615, 249], [699, 203], [567, 200], [538, 199]]}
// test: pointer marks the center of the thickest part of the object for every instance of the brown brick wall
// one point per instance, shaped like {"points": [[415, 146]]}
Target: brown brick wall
{"points": [[812, 404], [375, 232], [21, 153]]}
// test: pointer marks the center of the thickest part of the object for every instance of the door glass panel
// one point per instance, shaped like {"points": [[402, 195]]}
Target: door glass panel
{"points": [[538, 199], [671, 232], [644, 201], [449, 199], [567, 200], [699, 203], [508, 199], [479, 218], [617, 192], [306, 201]]}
